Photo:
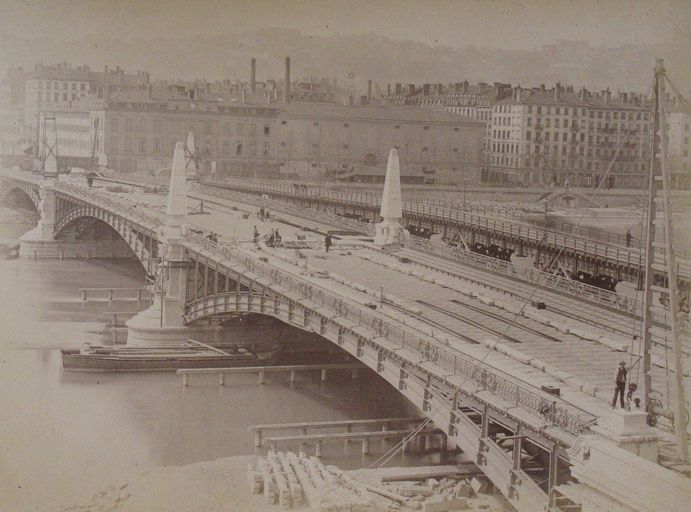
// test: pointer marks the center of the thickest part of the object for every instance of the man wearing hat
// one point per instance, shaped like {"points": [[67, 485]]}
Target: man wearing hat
{"points": [[620, 381]]}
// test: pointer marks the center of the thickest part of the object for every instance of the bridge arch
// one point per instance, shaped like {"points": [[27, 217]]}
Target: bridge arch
{"points": [[144, 246], [23, 189]]}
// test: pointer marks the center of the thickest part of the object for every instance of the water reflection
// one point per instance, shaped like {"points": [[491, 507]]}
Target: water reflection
{"points": [[63, 435]]}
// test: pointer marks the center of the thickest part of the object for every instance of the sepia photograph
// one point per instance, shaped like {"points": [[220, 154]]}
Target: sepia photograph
{"points": [[345, 256]]}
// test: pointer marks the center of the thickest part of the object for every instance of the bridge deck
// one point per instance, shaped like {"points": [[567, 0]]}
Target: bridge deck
{"points": [[571, 361]]}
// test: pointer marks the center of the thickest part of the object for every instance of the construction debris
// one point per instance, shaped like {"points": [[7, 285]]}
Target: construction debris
{"points": [[293, 480]]}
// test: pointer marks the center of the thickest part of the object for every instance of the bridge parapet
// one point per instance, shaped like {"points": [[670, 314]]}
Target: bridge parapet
{"points": [[102, 201]]}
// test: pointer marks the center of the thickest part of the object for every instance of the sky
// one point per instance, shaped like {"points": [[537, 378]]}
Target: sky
{"points": [[519, 24]]}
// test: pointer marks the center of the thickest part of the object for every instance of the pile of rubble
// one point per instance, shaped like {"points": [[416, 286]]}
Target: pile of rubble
{"points": [[447, 494], [292, 480]]}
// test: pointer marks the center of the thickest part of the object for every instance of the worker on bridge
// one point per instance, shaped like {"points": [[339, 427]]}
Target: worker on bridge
{"points": [[620, 383]]}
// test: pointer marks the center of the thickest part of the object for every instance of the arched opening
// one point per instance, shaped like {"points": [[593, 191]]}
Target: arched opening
{"points": [[265, 335], [89, 237], [18, 213]]}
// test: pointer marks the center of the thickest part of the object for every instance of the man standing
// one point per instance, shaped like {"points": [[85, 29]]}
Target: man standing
{"points": [[620, 381], [628, 238], [327, 241]]}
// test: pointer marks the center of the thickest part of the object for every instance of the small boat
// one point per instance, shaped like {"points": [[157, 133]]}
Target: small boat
{"points": [[132, 359]]}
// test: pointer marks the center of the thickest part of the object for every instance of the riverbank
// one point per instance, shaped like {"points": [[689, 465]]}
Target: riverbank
{"points": [[214, 486]]}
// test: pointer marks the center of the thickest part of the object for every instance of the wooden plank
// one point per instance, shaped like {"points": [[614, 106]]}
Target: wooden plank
{"points": [[348, 435], [214, 349], [335, 423], [273, 369]]}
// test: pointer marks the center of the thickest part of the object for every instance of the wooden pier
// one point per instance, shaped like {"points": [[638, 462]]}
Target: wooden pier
{"points": [[111, 294], [263, 370], [365, 437], [347, 425]]}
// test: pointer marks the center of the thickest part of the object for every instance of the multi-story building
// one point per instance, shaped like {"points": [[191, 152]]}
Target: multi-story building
{"points": [[557, 136], [61, 85], [140, 128], [679, 147], [75, 133]]}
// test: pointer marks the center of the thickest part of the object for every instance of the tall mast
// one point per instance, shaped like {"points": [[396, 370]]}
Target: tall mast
{"points": [[660, 256]]}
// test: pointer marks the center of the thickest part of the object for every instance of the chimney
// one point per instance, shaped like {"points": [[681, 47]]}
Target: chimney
{"points": [[148, 91], [369, 91], [399, 88], [425, 89], [466, 86], [286, 97], [556, 91], [253, 75], [411, 89], [388, 89], [208, 88], [244, 96]]}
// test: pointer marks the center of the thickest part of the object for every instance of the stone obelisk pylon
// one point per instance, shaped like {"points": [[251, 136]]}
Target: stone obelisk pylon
{"points": [[389, 231]]}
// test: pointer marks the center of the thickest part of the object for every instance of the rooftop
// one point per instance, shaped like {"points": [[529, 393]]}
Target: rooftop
{"points": [[373, 113]]}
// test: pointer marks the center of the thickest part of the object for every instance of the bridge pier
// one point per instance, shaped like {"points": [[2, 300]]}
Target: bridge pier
{"points": [[39, 243], [162, 323]]}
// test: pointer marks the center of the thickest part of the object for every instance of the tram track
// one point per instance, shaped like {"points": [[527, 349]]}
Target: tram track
{"points": [[479, 325]]}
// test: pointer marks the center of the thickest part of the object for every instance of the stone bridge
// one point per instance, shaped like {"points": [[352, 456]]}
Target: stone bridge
{"points": [[541, 451]]}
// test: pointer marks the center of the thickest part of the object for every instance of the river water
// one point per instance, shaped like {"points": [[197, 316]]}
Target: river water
{"points": [[63, 435]]}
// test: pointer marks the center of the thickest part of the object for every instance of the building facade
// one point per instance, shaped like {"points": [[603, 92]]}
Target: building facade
{"points": [[140, 128], [75, 135], [679, 147], [559, 137]]}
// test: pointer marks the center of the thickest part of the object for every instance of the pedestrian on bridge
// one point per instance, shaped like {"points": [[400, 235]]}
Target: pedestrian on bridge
{"points": [[327, 241], [628, 238], [620, 383]]}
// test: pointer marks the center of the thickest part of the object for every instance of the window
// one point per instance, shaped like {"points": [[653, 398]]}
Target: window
{"points": [[128, 125], [346, 146], [74, 96], [426, 127], [315, 123], [241, 129], [64, 97], [64, 86], [284, 122], [128, 145], [238, 149], [283, 144], [141, 125], [82, 87], [226, 147], [266, 130], [346, 125], [253, 129], [142, 145], [455, 150], [266, 149], [456, 128]]}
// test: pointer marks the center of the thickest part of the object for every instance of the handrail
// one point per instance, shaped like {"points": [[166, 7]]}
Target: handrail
{"points": [[573, 237], [561, 413]]}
